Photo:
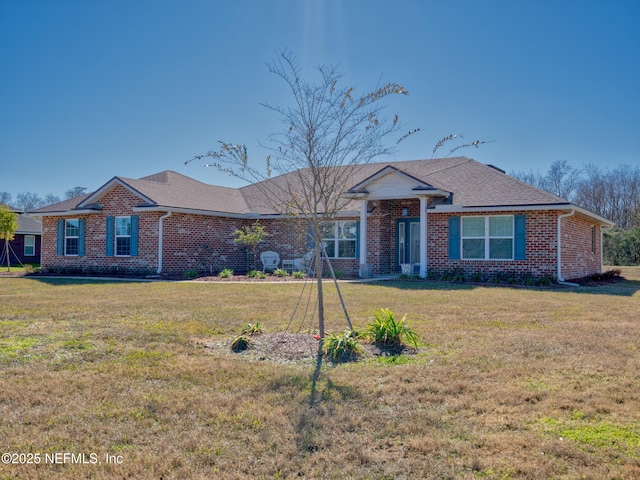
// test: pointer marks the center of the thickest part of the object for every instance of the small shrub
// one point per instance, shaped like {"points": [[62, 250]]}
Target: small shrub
{"points": [[300, 274], [226, 273], [29, 268], [252, 329], [279, 272], [432, 274], [192, 273], [385, 330], [342, 347], [240, 343], [257, 274], [546, 281], [458, 276], [476, 277]]}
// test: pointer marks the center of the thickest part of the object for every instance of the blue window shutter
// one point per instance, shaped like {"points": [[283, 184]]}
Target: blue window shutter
{"points": [[81, 223], [110, 234], [310, 243], [60, 238], [358, 242], [454, 238], [134, 236], [520, 238]]}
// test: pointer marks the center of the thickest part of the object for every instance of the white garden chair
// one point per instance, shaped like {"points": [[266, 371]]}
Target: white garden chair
{"points": [[270, 261]]}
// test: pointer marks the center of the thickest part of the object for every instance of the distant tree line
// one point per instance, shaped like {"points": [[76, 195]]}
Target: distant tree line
{"points": [[611, 193], [28, 201]]}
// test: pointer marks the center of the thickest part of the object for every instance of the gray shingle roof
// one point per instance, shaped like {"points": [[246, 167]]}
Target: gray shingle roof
{"points": [[472, 184]]}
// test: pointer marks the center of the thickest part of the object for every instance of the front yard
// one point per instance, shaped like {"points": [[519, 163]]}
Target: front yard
{"points": [[509, 383]]}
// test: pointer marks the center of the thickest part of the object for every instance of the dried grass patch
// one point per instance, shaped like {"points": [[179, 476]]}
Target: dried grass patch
{"points": [[510, 383]]}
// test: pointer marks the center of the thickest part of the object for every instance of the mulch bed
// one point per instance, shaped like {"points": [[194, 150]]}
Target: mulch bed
{"points": [[294, 348]]}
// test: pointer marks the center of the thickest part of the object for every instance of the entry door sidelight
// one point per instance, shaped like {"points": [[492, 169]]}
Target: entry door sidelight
{"points": [[408, 241]]}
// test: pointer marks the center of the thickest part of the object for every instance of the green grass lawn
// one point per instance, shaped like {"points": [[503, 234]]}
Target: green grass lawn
{"points": [[508, 383]]}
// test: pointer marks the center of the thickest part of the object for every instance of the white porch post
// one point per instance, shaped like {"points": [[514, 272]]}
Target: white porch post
{"points": [[423, 237], [364, 271]]}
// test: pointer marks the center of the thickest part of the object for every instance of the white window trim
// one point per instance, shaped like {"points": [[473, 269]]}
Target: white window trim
{"points": [[33, 245], [71, 236], [335, 240], [116, 236], [487, 238]]}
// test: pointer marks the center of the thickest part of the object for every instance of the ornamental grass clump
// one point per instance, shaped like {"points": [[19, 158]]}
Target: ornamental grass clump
{"points": [[240, 343], [387, 331], [252, 329], [342, 347]]}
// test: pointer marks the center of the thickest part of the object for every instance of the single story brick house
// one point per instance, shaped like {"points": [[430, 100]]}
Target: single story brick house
{"points": [[422, 216], [25, 246]]}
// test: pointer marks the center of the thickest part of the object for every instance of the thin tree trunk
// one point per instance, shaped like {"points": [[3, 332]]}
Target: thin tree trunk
{"points": [[6, 247], [321, 331]]}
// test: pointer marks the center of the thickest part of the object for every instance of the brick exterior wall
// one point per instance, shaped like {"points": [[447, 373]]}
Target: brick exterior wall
{"points": [[205, 243], [581, 248], [541, 248], [117, 202]]}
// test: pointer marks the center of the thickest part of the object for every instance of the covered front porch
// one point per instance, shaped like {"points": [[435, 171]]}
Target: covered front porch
{"points": [[393, 222]]}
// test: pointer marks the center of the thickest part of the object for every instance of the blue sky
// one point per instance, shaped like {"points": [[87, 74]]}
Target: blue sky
{"points": [[92, 90]]}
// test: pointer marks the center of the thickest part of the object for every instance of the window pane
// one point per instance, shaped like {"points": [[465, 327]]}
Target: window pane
{"points": [[29, 245], [500, 226], [123, 226], [71, 246], [473, 227], [347, 229], [346, 249], [473, 248], [328, 230], [72, 228], [330, 247], [123, 245], [501, 248]]}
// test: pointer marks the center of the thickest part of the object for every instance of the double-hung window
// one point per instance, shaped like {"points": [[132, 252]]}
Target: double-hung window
{"points": [[71, 236], [339, 238], [487, 238], [29, 245], [123, 236]]}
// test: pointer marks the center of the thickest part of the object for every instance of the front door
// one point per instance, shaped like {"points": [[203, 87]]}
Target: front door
{"points": [[408, 241]]}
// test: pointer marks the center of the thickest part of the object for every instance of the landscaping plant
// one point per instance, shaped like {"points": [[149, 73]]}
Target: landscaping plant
{"points": [[342, 346], [226, 273], [240, 343], [386, 330], [253, 329], [257, 274]]}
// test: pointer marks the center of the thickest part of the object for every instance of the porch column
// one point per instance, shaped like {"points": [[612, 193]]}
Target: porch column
{"points": [[423, 237], [364, 270]]}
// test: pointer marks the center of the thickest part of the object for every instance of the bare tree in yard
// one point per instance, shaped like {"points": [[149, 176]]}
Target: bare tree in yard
{"points": [[329, 132]]}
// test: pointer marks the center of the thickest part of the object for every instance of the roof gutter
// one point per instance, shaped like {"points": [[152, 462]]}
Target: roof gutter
{"points": [[561, 280], [160, 226]]}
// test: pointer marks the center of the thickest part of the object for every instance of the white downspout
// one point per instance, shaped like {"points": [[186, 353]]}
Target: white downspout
{"points": [[160, 225], [364, 271], [423, 237], [560, 279]]}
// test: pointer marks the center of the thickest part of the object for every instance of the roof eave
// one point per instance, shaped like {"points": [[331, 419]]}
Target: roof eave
{"points": [[524, 207]]}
